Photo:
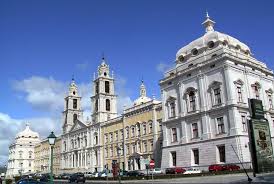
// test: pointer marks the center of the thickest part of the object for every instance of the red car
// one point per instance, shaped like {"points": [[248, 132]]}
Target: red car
{"points": [[175, 170], [231, 167], [215, 168]]}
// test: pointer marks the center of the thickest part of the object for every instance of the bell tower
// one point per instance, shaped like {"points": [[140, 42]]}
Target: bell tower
{"points": [[72, 107], [104, 98]]}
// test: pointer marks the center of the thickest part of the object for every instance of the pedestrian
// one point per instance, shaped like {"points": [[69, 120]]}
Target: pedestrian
{"points": [[0, 180]]}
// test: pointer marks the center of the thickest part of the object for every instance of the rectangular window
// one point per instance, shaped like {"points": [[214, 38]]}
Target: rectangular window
{"points": [[174, 134], [106, 86], [195, 133], [97, 87], [74, 103], [172, 109], [151, 145], [106, 151], [173, 157], [240, 95], [244, 123], [270, 102], [217, 95], [128, 152], [122, 134], [221, 150], [106, 138], [133, 148], [116, 136], [196, 156], [145, 147], [256, 92], [221, 126]]}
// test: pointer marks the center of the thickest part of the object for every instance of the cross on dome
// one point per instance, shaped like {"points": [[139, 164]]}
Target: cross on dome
{"points": [[208, 23]]}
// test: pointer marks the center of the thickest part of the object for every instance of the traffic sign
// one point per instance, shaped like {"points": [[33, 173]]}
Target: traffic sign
{"points": [[152, 164]]}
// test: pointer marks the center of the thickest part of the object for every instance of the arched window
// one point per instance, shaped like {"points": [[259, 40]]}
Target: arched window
{"points": [[106, 86], [74, 117], [191, 99], [144, 129], [65, 146], [192, 106], [107, 105]]}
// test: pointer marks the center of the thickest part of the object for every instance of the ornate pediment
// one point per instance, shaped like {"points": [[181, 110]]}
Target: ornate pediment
{"points": [[77, 126]]}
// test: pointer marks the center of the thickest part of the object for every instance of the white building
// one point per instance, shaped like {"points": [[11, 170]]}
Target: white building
{"points": [[205, 101], [21, 153], [90, 145]]}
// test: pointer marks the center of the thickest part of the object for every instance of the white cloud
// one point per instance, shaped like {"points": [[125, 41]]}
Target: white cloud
{"points": [[44, 94], [11, 126], [163, 67], [47, 95]]}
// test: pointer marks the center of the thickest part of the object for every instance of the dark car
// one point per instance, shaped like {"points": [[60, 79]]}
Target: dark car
{"points": [[175, 170], [45, 178], [28, 181], [64, 176], [215, 168], [77, 177], [135, 173], [230, 167]]}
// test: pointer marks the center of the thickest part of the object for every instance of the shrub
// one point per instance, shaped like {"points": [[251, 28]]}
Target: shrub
{"points": [[17, 178], [8, 181]]}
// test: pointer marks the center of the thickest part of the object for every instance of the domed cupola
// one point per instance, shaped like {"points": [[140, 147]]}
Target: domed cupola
{"points": [[210, 40], [143, 97], [27, 133]]}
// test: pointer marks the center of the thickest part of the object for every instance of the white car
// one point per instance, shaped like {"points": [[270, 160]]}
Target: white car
{"points": [[155, 171], [192, 171]]}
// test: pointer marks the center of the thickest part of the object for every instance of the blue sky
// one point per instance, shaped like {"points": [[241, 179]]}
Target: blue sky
{"points": [[44, 43]]}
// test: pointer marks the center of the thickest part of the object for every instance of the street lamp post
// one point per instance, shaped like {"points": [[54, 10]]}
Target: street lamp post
{"points": [[51, 139], [119, 152]]}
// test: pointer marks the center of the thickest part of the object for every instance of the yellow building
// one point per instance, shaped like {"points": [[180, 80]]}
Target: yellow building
{"points": [[137, 133], [42, 156]]}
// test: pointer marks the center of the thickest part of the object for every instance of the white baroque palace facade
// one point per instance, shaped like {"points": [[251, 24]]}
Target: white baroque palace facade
{"points": [[91, 145], [21, 153], [205, 101]]}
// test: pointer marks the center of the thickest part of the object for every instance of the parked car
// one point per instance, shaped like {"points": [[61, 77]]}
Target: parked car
{"points": [[192, 171], [65, 176], [95, 174], [155, 171], [230, 167], [88, 174], [135, 173], [175, 170], [28, 181], [123, 173], [77, 177], [215, 168], [45, 178], [102, 174]]}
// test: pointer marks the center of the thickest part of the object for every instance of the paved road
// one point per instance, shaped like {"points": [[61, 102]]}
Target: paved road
{"points": [[230, 178]]}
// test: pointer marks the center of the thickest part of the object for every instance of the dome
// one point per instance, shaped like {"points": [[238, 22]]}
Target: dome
{"points": [[209, 39], [143, 98], [27, 133]]}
